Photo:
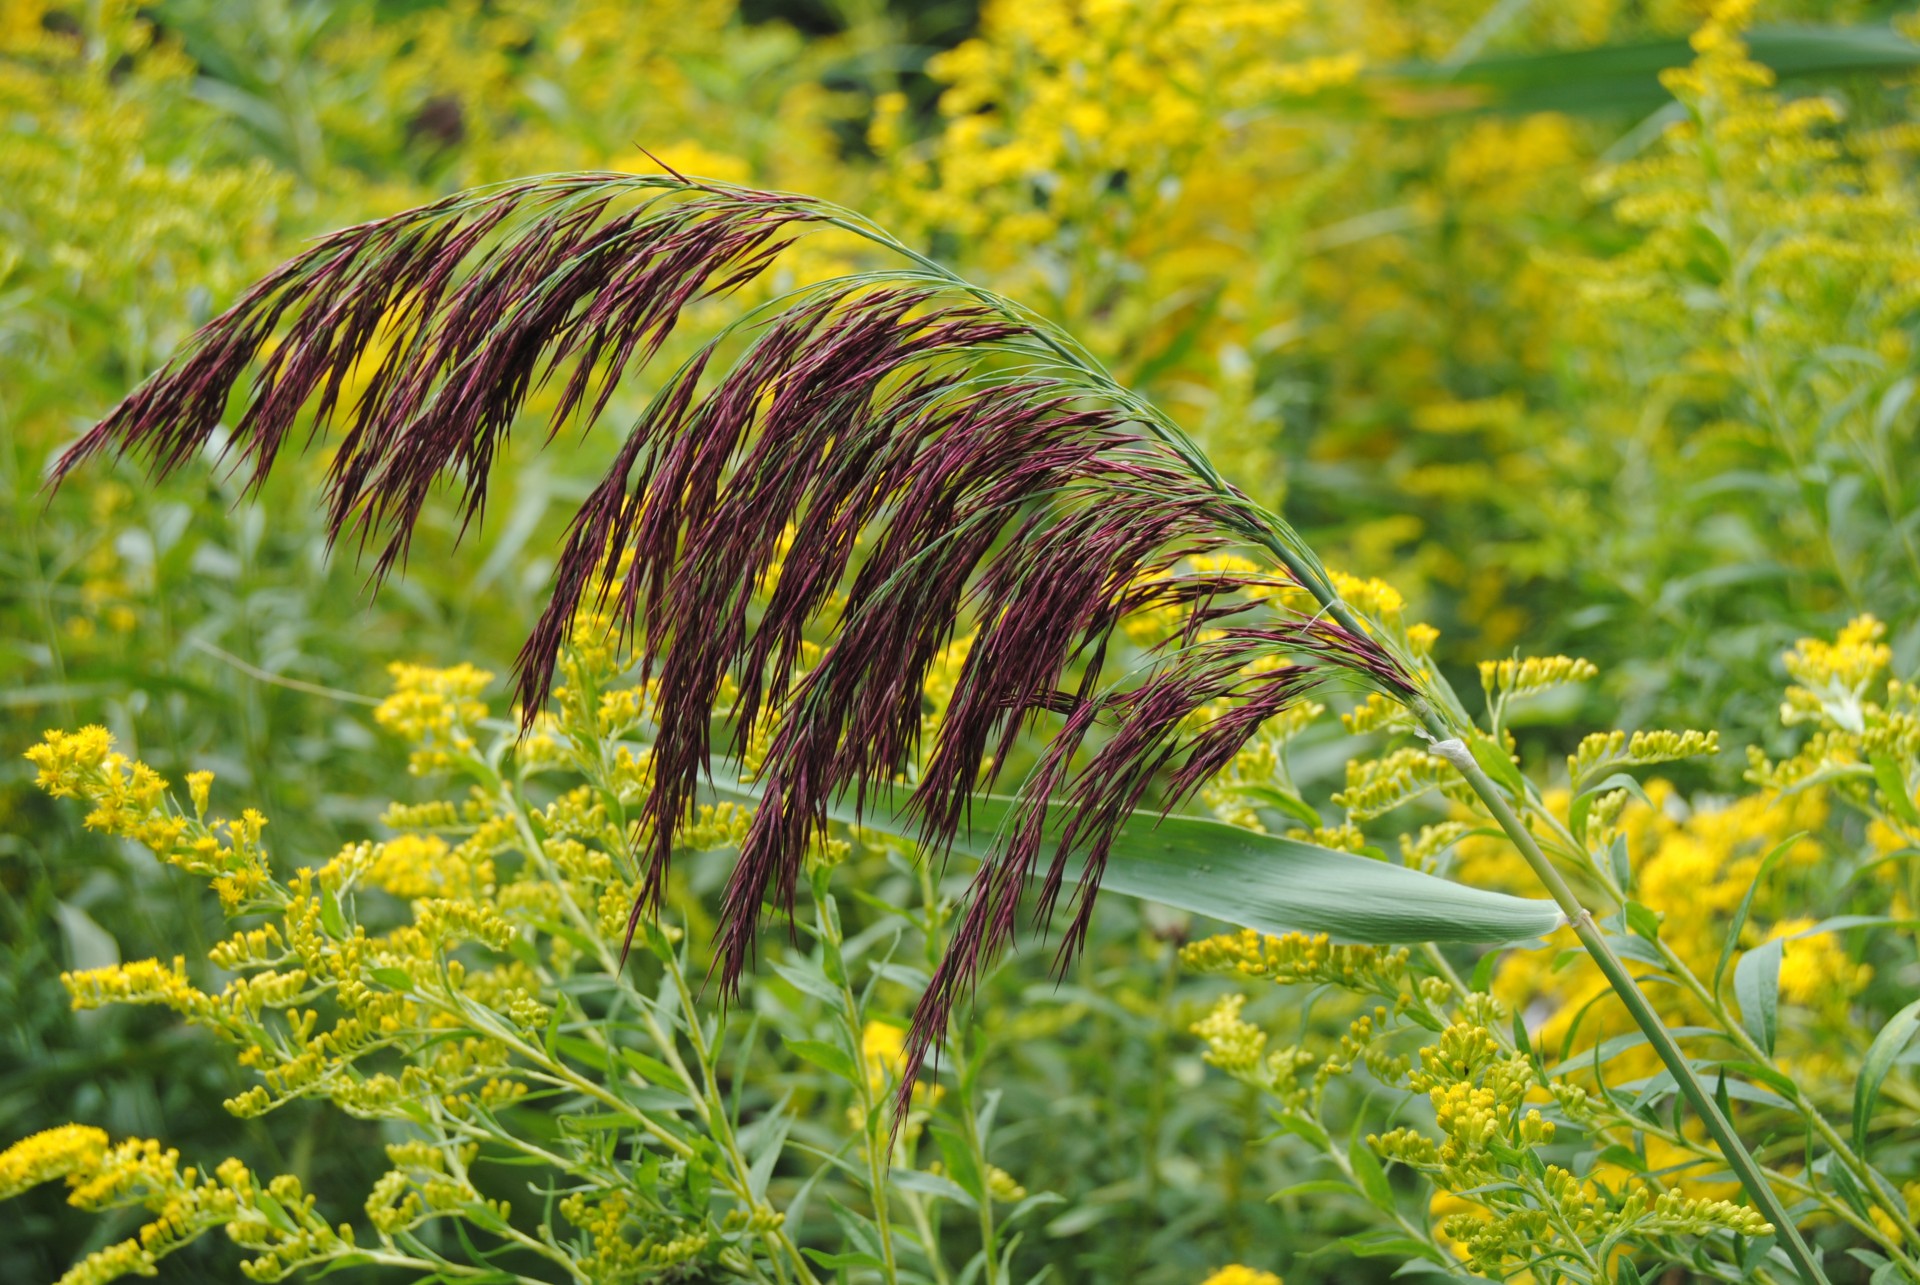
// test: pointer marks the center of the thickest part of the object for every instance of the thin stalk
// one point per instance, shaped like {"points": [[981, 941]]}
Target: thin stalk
{"points": [[1741, 1161]]}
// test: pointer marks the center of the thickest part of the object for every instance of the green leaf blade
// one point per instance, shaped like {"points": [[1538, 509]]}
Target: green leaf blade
{"points": [[1881, 1054]]}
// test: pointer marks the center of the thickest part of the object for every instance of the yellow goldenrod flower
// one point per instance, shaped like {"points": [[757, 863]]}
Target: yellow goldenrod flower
{"points": [[52, 1153]]}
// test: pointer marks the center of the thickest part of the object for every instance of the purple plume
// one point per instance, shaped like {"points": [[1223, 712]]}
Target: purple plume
{"points": [[929, 459]]}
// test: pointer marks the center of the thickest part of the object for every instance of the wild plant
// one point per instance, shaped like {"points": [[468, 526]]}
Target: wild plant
{"points": [[890, 460], [552, 1115], [1556, 1145]]}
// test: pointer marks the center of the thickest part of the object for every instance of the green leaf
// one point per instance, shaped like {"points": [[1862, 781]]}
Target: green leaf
{"points": [[931, 1184], [856, 1228], [1372, 1178], [1384, 1244], [1317, 1187], [1625, 78], [1886, 1047], [1620, 862], [1259, 881], [1583, 802], [1842, 1182], [650, 1068], [833, 1262], [330, 917], [1301, 1127], [1756, 984], [808, 977], [1524, 1042], [828, 1057], [275, 1212], [1761, 1074], [958, 1158], [398, 978], [1886, 774], [591, 1121], [1643, 920], [1623, 1156], [1746, 904], [1496, 762]]}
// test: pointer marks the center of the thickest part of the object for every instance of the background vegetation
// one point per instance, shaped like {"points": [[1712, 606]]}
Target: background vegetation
{"points": [[1581, 359]]}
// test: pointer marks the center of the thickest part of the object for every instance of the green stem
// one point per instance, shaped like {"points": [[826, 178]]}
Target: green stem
{"points": [[1738, 1158]]}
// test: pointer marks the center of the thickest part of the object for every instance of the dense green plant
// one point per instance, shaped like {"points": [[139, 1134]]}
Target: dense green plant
{"points": [[1556, 1143]]}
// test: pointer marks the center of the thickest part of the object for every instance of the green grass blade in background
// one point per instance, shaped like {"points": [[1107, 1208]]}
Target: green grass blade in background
{"points": [[1626, 77]]}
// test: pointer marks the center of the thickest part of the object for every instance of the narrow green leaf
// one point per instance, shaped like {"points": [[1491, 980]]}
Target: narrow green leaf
{"points": [[1842, 1182], [1316, 1187], [1496, 763], [808, 977], [1756, 984], [1746, 904], [1779, 1082], [1583, 802], [1625, 78], [1372, 1178], [1483, 969], [1261, 881], [1301, 1127], [651, 1069], [1886, 774], [398, 978], [828, 1057], [1881, 1054], [931, 1184], [275, 1212], [582, 1051], [1620, 862], [1524, 1042], [1384, 1244], [330, 917], [591, 1121], [1623, 1156], [957, 1156]]}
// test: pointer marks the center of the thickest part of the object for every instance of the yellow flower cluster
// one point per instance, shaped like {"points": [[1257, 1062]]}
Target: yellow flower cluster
{"points": [[130, 801], [1300, 960], [1534, 674], [436, 711], [277, 1222], [1238, 1274], [1864, 750], [620, 1249], [1603, 752], [51, 1153], [1378, 786], [1857, 655]]}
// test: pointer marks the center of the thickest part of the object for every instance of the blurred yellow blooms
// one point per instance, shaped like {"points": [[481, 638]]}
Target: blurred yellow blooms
{"points": [[1236, 1274]]}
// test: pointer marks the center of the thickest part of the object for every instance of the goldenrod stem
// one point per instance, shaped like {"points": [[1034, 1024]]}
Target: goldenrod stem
{"points": [[1737, 1157]]}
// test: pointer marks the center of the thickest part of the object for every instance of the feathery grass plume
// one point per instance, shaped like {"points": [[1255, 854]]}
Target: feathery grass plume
{"points": [[924, 451]]}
